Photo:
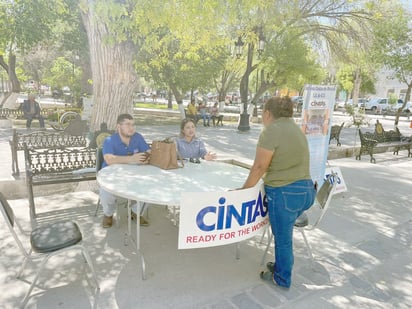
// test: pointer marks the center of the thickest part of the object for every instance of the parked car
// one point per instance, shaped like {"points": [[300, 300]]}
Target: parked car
{"points": [[376, 104], [361, 102], [406, 109], [340, 105], [343, 104]]}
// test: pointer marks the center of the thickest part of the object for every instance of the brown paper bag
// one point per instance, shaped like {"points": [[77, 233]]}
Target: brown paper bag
{"points": [[164, 155]]}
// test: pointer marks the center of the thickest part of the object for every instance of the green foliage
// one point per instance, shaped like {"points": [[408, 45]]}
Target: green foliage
{"points": [[24, 23], [61, 74], [393, 44], [358, 116], [346, 78]]}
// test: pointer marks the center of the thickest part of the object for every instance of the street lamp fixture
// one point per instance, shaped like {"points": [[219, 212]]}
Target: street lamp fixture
{"points": [[261, 42], [239, 47]]}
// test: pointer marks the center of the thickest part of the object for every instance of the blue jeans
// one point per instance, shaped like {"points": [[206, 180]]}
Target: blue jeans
{"points": [[285, 205], [206, 117]]}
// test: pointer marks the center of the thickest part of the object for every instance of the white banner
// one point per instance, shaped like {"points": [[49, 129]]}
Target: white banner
{"points": [[318, 103], [210, 219]]}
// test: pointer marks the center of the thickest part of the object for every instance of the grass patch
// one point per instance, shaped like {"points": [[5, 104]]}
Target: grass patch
{"points": [[154, 105]]}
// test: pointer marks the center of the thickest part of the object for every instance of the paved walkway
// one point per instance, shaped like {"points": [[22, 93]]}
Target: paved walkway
{"points": [[362, 248]]}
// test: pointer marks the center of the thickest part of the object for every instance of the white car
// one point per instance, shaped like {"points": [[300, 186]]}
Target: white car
{"points": [[377, 104], [406, 109]]}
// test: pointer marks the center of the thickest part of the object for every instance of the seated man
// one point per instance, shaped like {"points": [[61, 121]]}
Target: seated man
{"points": [[192, 111], [31, 110], [124, 147], [204, 114]]}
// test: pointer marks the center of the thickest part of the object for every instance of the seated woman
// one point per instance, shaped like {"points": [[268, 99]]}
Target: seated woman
{"points": [[214, 112], [189, 146]]}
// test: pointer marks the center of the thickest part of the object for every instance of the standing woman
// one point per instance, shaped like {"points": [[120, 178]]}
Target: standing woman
{"points": [[282, 159]]}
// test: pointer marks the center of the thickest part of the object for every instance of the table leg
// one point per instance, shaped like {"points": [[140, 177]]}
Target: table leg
{"points": [[174, 215], [138, 251], [129, 234], [129, 227]]}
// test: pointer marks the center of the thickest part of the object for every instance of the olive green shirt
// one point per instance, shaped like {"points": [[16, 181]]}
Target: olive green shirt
{"points": [[290, 161]]}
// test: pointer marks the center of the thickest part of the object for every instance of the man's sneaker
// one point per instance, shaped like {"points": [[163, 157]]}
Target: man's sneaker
{"points": [[107, 221]]}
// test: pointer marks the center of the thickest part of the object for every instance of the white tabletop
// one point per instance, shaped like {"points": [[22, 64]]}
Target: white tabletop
{"points": [[150, 184]]}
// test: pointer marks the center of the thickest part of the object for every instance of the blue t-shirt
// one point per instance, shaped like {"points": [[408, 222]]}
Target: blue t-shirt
{"points": [[114, 145]]}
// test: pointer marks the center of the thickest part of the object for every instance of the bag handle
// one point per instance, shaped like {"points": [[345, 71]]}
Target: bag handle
{"points": [[170, 140]]}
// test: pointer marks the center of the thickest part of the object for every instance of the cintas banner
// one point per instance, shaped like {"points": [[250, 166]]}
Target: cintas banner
{"points": [[210, 219]]}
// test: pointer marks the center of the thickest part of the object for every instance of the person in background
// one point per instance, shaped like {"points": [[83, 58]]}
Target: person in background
{"points": [[282, 159], [123, 147], [204, 114], [192, 111], [214, 113], [31, 110], [189, 146]]}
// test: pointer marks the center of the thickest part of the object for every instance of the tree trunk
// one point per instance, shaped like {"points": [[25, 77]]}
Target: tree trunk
{"points": [[407, 98], [10, 68], [169, 99], [356, 86], [179, 100], [244, 82], [113, 74]]}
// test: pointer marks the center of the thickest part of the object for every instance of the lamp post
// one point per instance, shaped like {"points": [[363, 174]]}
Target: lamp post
{"points": [[244, 83]]}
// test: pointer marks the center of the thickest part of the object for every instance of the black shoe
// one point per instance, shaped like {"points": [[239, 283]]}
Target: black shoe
{"points": [[267, 276]]}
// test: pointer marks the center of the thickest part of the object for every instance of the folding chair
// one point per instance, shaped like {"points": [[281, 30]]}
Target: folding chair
{"points": [[47, 240], [323, 198]]}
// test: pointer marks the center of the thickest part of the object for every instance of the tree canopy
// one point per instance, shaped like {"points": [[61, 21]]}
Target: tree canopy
{"points": [[187, 45]]}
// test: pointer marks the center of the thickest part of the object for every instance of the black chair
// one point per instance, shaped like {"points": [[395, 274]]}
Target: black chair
{"points": [[335, 133], [99, 163], [47, 241]]}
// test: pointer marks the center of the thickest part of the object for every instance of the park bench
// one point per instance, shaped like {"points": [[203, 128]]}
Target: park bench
{"points": [[41, 140], [216, 119], [7, 113], [335, 133], [55, 166], [390, 139]]}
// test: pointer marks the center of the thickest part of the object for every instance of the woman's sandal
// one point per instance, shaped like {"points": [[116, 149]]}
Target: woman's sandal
{"points": [[270, 266], [267, 276]]}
